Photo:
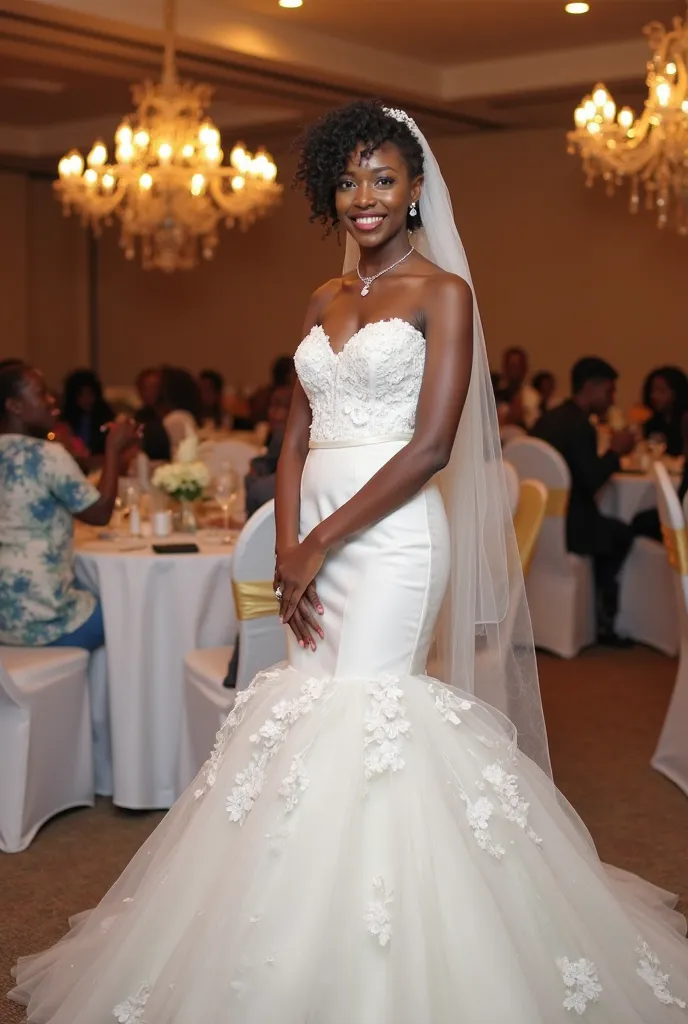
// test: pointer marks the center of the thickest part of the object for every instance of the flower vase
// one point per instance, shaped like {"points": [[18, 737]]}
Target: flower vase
{"points": [[187, 517]]}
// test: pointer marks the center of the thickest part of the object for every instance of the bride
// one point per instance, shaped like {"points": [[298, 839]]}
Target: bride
{"points": [[366, 845]]}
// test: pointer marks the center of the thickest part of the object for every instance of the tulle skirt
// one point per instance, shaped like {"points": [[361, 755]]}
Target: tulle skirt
{"points": [[367, 846]]}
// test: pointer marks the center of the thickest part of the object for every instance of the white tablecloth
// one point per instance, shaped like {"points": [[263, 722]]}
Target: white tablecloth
{"points": [[626, 494], [156, 609]]}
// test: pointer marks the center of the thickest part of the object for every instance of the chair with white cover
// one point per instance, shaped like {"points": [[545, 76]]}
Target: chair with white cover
{"points": [[647, 604], [671, 756], [262, 643], [559, 585], [46, 759], [512, 486], [235, 453]]}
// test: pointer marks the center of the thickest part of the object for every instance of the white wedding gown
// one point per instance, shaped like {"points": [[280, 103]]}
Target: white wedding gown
{"points": [[366, 845]]}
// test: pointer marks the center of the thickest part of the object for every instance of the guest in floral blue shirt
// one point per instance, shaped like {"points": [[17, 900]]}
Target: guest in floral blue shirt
{"points": [[41, 490]]}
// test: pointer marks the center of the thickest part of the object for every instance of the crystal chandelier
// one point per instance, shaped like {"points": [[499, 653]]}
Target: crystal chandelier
{"points": [[168, 185], [649, 151]]}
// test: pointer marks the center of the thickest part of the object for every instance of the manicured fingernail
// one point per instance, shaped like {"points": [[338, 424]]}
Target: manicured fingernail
{"points": [[321, 609], [301, 643], [281, 620]]}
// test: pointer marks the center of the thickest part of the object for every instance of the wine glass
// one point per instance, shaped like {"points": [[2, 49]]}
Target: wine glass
{"points": [[656, 446], [225, 491]]}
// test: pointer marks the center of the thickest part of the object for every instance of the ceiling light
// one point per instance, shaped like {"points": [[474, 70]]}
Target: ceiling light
{"points": [[577, 8], [291, 3]]}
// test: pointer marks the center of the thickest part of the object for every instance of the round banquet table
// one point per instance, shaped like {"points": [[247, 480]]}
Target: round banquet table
{"points": [[626, 494], [156, 609]]}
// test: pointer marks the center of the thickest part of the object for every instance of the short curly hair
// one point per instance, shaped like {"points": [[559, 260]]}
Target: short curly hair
{"points": [[325, 148]]}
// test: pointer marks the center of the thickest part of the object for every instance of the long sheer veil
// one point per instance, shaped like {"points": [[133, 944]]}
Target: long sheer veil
{"points": [[485, 638]]}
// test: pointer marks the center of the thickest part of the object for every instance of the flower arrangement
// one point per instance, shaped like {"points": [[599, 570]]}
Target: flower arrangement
{"points": [[186, 478]]}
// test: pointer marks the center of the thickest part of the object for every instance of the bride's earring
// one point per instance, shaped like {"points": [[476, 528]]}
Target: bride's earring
{"points": [[413, 212]]}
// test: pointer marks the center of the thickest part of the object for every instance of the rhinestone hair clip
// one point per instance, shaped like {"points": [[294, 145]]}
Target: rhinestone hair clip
{"points": [[401, 115]]}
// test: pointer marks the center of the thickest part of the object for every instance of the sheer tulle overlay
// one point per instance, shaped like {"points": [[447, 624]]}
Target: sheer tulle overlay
{"points": [[366, 845]]}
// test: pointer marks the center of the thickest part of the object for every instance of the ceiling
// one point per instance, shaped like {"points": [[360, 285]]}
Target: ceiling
{"points": [[457, 65], [453, 31]]}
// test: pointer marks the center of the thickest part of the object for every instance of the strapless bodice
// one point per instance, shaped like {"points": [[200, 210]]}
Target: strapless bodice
{"points": [[368, 389]]}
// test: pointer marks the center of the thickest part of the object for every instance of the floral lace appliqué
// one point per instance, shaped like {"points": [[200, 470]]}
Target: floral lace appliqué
{"points": [[248, 784], [447, 704], [582, 982], [513, 807], [478, 815], [385, 724], [212, 765], [131, 1010], [378, 916], [650, 971], [295, 783], [370, 387]]}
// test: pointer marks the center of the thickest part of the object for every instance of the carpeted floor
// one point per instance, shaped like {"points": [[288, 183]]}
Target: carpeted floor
{"points": [[604, 712]]}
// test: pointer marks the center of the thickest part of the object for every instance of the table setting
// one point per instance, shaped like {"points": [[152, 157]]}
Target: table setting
{"points": [[162, 571]]}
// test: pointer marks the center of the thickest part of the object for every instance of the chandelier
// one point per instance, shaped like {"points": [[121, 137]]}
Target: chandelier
{"points": [[650, 152], [168, 184]]}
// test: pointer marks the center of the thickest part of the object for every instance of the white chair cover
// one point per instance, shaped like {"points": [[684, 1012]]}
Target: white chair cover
{"points": [[262, 643], [46, 761], [671, 756], [512, 486], [237, 454], [647, 604], [511, 432], [560, 584]]}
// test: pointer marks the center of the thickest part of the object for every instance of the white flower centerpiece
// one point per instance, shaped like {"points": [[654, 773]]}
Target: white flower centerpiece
{"points": [[185, 480]]}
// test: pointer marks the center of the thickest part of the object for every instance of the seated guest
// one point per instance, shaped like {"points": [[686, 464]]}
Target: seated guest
{"points": [[646, 523], [514, 392], [283, 375], [41, 490], [545, 384], [148, 388], [179, 404], [85, 410], [155, 441], [260, 482], [665, 395], [212, 385], [568, 429]]}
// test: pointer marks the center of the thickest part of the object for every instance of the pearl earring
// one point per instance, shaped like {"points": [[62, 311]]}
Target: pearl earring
{"points": [[413, 212]]}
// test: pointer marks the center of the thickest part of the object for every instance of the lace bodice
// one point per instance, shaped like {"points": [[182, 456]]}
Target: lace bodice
{"points": [[368, 389]]}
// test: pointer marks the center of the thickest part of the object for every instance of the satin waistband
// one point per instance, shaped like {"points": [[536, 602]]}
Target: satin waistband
{"points": [[357, 442]]}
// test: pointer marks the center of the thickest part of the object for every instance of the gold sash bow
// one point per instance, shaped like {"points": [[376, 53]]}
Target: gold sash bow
{"points": [[676, 544], [254, 599]]}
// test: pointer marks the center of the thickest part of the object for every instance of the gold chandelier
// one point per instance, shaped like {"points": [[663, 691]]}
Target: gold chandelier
{"points": [[168, 185], [649, 151]]}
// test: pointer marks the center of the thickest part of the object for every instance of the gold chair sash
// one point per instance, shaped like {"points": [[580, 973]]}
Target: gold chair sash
{"points": [[676, 544], [528, 520], [557, 502], [254, 599]]}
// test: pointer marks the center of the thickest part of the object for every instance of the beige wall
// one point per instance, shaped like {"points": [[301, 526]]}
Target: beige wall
{"points": [[558, 269], [43, 278]]}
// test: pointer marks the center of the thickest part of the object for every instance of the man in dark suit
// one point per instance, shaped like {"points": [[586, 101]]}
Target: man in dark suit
{"points": [[568, 429]]}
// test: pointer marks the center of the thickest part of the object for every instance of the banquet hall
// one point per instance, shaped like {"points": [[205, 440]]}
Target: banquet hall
{"points": [[156, 264]]}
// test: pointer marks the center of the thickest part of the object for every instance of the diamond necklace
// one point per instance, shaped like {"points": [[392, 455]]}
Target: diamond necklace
{"points": [[367, 281]]}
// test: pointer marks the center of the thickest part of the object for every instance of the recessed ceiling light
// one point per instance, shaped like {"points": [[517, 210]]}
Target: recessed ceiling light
{"points": [[577, 8], [291, 3]]}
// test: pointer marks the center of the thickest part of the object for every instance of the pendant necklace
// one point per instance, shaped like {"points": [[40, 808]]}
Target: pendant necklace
{"points": [[367, 281]]}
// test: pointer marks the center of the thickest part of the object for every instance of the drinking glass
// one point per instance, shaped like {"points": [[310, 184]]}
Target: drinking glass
{"points": [[656, 446], [225, 491]]}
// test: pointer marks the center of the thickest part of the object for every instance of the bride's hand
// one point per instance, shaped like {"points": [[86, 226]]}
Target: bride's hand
{"points": [[296, 571]]}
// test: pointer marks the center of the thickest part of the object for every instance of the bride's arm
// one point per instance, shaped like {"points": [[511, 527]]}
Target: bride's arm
{"points": [[448, 359], [288, 484]]}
